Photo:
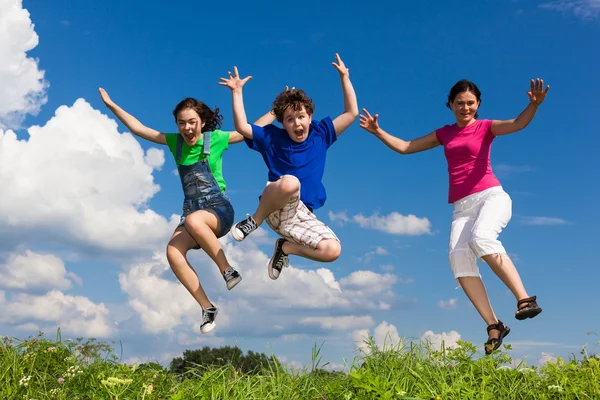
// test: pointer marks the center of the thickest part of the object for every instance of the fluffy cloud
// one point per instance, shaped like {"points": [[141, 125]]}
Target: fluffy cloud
{"points": [[394, 223], [385, 337], [161, 304], [281, 305], [77, 180], [34, 271], [75, 315], [368, 282], [435, 340], [22, 84]]}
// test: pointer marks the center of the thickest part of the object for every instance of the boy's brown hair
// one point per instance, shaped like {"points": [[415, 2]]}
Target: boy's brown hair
{"points": [[294, 99]]}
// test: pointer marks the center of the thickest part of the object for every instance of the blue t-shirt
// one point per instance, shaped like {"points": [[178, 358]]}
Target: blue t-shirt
{"points": [[305, 161]]}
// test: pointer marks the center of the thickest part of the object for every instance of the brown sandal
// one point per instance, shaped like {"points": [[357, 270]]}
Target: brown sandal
{"points": [[495, 343], [527, 308]]}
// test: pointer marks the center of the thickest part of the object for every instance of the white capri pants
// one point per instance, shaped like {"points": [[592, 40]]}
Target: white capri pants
{"points": [[477, 221]]}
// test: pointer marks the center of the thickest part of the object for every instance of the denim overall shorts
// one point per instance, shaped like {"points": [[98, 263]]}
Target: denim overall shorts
{"points": [[200, 189]]}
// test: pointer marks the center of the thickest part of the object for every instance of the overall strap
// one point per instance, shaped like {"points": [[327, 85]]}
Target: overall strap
{"points": [[178, 150], [206, 150]]}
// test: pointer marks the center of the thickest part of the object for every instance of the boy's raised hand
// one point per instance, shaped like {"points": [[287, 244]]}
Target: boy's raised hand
{"points": [[340, 66], [234, 81], [368, 122]]}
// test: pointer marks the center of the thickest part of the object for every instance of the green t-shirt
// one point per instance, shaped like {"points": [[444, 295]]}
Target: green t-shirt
{"points": [[219, 142]]}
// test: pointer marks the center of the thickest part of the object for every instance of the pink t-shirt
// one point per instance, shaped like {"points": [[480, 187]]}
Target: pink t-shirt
{"points": [[467, 152]]}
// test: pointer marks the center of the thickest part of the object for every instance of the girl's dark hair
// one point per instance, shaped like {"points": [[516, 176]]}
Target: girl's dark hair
{"points": [[463, 86], [294, 99], [211, 118]]}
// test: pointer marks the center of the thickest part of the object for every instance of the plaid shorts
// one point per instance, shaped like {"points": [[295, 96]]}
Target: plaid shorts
{"points": [[296, 223]]}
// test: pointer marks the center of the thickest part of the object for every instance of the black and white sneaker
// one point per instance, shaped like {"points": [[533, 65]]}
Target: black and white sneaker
{"points": [[232, 277], [279, 260], [243, 228], [208, 319]]}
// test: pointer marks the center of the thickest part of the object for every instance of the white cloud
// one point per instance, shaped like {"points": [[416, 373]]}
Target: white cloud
{"points": [[385, 337], [368, 282], [395, 223], [448, 304], [435, 340], [33, 271], [584, 9], [339, 323], [147, 292], [379, 251], [22, 84], [544, 221], [75, 315], [340, 217], [278, 304], [155, 158], [77, 180]]}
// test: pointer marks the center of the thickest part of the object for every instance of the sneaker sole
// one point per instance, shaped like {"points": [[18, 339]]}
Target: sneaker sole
{"points": [[231, 284], [270, 267], [236, 235], [207, 328]]}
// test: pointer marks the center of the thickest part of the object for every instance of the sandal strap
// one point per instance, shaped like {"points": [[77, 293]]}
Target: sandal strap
{"points": [[498, 326], [531, 299]]}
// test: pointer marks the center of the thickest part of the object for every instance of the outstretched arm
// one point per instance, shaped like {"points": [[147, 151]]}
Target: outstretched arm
{"points": [[343, 121], [239, 113], [135, 126], [235, 137], [537, 95], [371, 124]]}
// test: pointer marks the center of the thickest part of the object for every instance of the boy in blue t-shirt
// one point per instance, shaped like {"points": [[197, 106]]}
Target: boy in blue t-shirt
{"points": [[295, 156]]}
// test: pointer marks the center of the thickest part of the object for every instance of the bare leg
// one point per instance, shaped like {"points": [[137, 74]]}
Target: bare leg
{"points": [[203, 227], [503, 266], [181, 242], [327, 250], [475, 291], [275, 196]]}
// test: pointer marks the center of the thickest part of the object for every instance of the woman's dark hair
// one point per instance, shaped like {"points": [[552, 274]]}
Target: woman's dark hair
{"points": [[211, 118], [294, 99], [463, 86]]}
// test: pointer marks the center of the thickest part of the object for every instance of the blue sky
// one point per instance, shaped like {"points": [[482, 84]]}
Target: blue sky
{"points": [[87, 210]]}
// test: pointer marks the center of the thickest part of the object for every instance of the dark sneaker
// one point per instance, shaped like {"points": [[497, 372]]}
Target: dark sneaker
{"points": [[208, 319], [232, 277], [279, 260], [243, 228]]}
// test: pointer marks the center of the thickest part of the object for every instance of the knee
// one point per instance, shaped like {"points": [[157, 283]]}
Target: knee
{"points": [[192, 222], [173, 253], [331, 249], [289, 185]]}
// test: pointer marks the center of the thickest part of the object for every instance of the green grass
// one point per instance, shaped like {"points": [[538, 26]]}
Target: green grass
{"points": [[39, 368]]}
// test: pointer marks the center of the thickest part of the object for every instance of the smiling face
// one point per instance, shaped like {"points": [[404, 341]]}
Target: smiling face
{"points": [[465, 107], [190, 125], [296, 123]]}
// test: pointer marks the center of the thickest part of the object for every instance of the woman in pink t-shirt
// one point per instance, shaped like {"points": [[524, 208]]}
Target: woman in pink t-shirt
{"points": [[481, 207]]}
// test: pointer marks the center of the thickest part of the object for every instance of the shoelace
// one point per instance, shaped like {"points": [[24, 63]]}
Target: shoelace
{"points": [[206, 317], [282, 262], [229, 273], [248, 226]]}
